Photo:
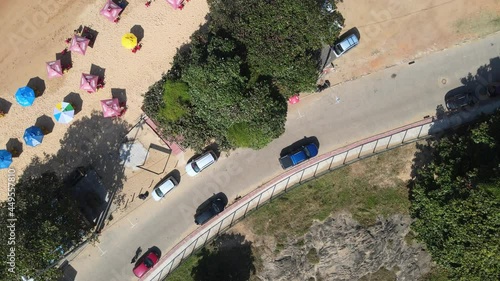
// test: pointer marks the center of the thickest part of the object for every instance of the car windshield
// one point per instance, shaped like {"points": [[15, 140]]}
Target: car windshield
{"points": [[339, 49], [158, 192], [148, 262], [195, 167]]}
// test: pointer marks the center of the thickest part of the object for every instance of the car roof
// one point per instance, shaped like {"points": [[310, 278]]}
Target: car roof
{"points": [[313, 149], [167, 185], [205, 160], [349, 42]]}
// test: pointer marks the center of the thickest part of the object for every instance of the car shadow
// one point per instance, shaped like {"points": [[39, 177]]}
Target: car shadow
{"points": [[176, 174], [298, 144], [348, 33]]}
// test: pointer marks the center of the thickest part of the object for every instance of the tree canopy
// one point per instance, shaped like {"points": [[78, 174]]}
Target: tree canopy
{"points": [[47, 224], [456, 201], [239, 70]]}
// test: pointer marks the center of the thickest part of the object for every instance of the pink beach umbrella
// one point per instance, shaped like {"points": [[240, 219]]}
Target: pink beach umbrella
{"points": [[111, 108], [176, 4], [89, 83], [54, 69], [79, 44], [111, 11]]}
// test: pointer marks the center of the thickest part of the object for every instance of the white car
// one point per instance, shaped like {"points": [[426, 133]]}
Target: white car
{"points": [[202, 162], [163, 187]]}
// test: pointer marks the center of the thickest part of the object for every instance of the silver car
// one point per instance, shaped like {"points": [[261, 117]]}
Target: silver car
{"points": [[345, 45]]}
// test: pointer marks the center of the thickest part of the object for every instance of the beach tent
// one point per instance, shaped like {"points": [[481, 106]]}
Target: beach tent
{"points": [[33, 136], [5, 159], [111, 108], [25, 96], [129, 41], [54, 69], [176, 4], [64, 112], [89, 83], [111, 11], [79, 44]]}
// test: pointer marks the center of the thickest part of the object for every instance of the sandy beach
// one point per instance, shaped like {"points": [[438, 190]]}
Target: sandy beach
{"points": [[36, 30]]}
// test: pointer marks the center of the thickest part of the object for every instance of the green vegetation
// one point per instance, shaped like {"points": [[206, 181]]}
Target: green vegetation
{"points": [[230, 85], [456, 200], [382, 274], [437, 273], [312, 256], [176, 100], [44, 221]]}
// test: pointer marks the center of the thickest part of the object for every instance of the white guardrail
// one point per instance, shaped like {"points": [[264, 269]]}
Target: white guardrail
{"points": [[281, 184]]}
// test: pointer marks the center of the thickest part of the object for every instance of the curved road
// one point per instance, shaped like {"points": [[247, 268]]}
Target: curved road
{"points": [[340, 115]]}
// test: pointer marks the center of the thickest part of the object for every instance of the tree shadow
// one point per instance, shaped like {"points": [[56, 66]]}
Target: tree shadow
{"points": [[229, 258], [75, 100], [45, 123], [14, 146], [448, 122], [92, 141], [38, 85], [5, 105], [477, 84], [138, 31]]}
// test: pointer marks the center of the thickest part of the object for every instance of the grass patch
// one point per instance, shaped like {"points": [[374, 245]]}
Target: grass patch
{"points": [[382, 274], [484, 24], [354, 189], [176, 99], [183, 272], [312, 256]]}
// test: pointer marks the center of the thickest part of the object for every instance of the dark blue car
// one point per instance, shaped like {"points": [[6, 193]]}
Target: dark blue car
{"points": [[298, 156]]}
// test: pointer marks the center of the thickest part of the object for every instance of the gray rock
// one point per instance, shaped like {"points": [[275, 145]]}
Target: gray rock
{"points": [[348, 251]]}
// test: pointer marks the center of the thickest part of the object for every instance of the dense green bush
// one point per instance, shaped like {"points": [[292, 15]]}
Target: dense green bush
{"points": [[176, 100], [456, 201], [239, 70]]}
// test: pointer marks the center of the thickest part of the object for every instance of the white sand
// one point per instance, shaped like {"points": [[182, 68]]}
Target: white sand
{"points": [[34, 31]]}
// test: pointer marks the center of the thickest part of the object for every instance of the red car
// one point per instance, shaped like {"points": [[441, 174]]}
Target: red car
{"points": [[145, 263]]}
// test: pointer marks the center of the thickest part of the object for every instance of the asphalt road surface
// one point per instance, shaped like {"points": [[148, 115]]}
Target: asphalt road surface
{"points": [[338, 116]]}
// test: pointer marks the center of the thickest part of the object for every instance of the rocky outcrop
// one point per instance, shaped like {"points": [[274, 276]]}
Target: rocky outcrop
{"points": [[341, 249]]}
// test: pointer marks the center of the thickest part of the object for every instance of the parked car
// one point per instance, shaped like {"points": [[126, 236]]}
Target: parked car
{"points": [[459, 100], [210, 208], [145, 263], [200, 163], [345, 45], [163, 187], [298, 156]]}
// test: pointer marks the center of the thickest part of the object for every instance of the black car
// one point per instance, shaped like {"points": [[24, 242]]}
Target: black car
{"points": [[210, 208], [459, 100]]}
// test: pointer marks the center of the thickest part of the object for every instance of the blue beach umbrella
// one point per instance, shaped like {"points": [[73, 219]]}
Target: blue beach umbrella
{"points": [[25, 96], [5, 159], [33, 136]]}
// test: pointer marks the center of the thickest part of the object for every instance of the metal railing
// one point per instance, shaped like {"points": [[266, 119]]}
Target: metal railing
{"points": [[280, 185]]}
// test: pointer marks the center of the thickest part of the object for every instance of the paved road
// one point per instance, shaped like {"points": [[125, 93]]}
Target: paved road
{"points": [[340, 115]]}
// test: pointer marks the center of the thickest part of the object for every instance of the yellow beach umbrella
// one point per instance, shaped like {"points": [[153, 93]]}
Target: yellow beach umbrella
{"points": [[129, 41]]}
